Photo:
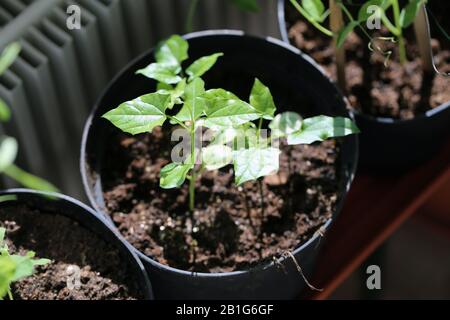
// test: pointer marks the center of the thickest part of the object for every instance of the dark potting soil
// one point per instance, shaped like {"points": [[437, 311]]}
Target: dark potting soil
{"points": [[396, 90], [103, 276], [228, 230]]}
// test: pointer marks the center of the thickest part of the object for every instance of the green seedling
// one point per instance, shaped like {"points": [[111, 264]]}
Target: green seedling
{"points": [[236, 125], [14, 267], [8, 145]]}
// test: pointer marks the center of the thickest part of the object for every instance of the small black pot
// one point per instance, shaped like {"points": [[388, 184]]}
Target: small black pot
{"points": [[295, 81], [75, 210], [392, 145]]}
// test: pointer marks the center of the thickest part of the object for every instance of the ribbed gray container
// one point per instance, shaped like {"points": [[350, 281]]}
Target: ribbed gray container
{"points": [[61, 72]]}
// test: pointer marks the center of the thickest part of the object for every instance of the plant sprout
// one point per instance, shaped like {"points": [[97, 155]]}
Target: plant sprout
{"points": [[236, 125], [314, 11], [14, 267], [8, 145]]}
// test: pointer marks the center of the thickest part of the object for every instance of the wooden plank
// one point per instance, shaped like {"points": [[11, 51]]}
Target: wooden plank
{"points": [[375, 208]]}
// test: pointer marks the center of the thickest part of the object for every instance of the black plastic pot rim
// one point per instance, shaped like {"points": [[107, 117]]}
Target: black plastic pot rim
{"points": [[385, 120], [148, 259], [75, 202]]}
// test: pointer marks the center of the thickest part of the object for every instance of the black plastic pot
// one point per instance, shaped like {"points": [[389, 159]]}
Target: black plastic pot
{"points": [[57, 204], [387, 144], [295, 81]]}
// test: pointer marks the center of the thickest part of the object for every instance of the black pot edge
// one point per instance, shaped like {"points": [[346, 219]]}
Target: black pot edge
{"points": [[148, 292], [84, 169], [281, 7]]}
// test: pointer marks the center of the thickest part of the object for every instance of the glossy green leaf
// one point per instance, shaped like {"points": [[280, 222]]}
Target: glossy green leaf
{"points": [[175, 93], [7, 270], [285, 123], [247, 5], [161, 72], [200, 66], [225, 110], [5, 113], [194, 105], [173, 175], [8, 152], [8, 56], [261, 99], [141, 114], [250, 164], [321, 128], [408, 13], [216, 156], [314, 8], [344, 32], [173, 51]]}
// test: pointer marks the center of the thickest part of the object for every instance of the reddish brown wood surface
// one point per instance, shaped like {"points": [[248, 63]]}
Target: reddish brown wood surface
{"points": [[374, 209]]}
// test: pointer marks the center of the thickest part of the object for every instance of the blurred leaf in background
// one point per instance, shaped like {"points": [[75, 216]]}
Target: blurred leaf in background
{"points": [[247, 5], [8, 145]]}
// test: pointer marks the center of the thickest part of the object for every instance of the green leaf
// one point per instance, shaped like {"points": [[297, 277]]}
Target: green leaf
{"points": [[141, 114], [345, 31], [261, 99], [216, 156], [247, 5], [8, 56], [8, 152], [194, 105], [173, 175], [7, 270], [408, 14], [321, 128], [5, 113], [315, 9], [25, 265], [28, 180], [364, 14], [173, 51], [175, 93], [250, 164], [225, 110], [161, 72], [285, 123], [200, 66]]}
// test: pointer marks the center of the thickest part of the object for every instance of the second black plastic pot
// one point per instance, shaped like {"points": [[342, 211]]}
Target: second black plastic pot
{"points": [[57, 204], [390, 145], [296, 84]]}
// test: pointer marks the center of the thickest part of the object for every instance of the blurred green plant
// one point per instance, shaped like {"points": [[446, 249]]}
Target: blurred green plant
{"points": [[8, 145], [14, 267], [244, 5]]}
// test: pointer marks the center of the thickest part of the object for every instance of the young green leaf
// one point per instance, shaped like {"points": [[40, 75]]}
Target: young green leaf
{"points": [[200, 66], [321, 128], [246, 5], [344, 32], [250, 164], [28, 180], [315, 9], [194, 105], [8, 152], [7, 269], [5, 113], [285, 123], [216, 156], [173, 51], [141, 114], [225, 110], [364, 13], [175, 93], [408, 14], [2, 235], [173, 175], [162, 72], [261, 99], [8, 56]]}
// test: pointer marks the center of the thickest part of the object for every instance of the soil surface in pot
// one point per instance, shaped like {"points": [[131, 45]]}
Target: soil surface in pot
{"points": [[103, 276], [228, 230], [392, 90]]}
